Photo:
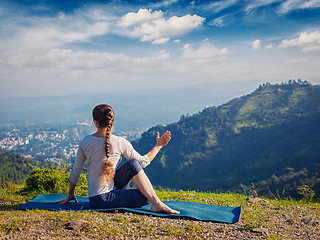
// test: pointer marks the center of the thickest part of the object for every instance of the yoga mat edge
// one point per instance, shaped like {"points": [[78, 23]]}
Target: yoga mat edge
{"points": [[197, 211]]}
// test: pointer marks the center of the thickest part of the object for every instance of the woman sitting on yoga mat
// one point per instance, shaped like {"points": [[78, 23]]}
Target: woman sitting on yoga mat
{"points": [[107, 188]]}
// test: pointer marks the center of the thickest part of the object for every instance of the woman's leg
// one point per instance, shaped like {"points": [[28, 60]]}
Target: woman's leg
{"points": [[121, 196], [118, 198], [132, 197], [132, 169], [143, 183], [125, 173]]}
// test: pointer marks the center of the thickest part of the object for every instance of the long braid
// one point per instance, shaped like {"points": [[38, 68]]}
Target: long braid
{"points": [[104, 115], [109, 170]]}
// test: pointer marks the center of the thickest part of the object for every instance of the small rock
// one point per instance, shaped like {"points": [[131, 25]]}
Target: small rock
{"points": [[75, 224], [261, 231], [220, 229], [257, 200], [290, 221], [306, 220], [316, 223]]}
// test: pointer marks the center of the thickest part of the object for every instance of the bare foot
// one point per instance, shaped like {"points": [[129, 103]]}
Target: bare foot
{"points": [[162, 208]]}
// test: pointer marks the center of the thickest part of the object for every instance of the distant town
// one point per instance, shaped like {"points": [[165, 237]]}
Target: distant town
{"points": [[49, 142]]}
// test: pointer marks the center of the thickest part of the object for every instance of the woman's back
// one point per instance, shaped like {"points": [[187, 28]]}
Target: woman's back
{"points": [[92, 149]]}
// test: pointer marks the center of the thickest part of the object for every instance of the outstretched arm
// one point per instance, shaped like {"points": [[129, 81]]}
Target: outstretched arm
{"points": [[161, 142], [71, 195], [74, 176]]}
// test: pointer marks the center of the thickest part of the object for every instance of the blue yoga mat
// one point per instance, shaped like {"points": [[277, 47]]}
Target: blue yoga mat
{"points": [[198, 211]]}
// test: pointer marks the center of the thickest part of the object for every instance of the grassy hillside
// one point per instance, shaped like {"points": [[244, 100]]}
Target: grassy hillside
{"points": [[15, 168], [269, 138]]}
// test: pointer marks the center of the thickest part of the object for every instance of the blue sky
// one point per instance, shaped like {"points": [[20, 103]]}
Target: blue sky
{"points": [[63, 47]]}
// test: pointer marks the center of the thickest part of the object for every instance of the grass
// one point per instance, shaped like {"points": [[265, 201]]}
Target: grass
{"points": [[282, 218]]}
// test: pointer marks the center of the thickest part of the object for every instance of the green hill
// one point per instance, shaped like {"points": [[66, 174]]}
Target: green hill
{"points": [[15, 168], [269, 138]]}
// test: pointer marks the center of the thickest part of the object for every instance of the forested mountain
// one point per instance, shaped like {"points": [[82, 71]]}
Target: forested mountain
{"points": [[15, 168], [269, 138]]}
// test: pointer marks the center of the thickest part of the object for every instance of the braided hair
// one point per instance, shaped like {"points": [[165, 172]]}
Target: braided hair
{"points": [[104, 115]]}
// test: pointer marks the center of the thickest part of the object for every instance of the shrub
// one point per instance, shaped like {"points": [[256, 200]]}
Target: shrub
{"points": [[307, 192], [53, 181]]}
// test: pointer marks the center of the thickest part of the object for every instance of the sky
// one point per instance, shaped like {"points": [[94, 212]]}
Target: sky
{"points": [[70, 47]]}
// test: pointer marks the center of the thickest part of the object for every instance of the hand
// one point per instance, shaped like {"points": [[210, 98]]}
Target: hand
{"points": [[69, 198], [162, 141]]}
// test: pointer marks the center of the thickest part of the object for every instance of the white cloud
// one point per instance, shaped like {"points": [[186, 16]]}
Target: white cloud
{"points": [[224, 20], [177, 41], [286, 5], [61, 15], [46, 33], [83, 26], [165, 3], [82, 60], [256, 45], [308, 42], [142, 16], [250, 6], [254, 4], [300, 60], [218, 22], [62, 71], [221, 5], [270, 46], [161, 28], [205, 53], [161, 40], [19, 60], [70, 60], [291, 5], [186, 46]]}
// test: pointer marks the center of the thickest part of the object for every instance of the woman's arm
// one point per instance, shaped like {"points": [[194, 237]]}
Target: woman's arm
{"points": [[74, 176], [161, 142], [130, 153], [71, 195]]}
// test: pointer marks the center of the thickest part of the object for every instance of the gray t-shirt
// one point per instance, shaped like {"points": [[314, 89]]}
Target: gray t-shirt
{"points": [[92, 149]]}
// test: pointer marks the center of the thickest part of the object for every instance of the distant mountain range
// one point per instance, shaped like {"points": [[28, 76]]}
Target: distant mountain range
{"points": [[269, 139], [135, 111]]}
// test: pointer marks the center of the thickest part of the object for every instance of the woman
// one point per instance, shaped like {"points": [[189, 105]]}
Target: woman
{"points": [[107, 188]]}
